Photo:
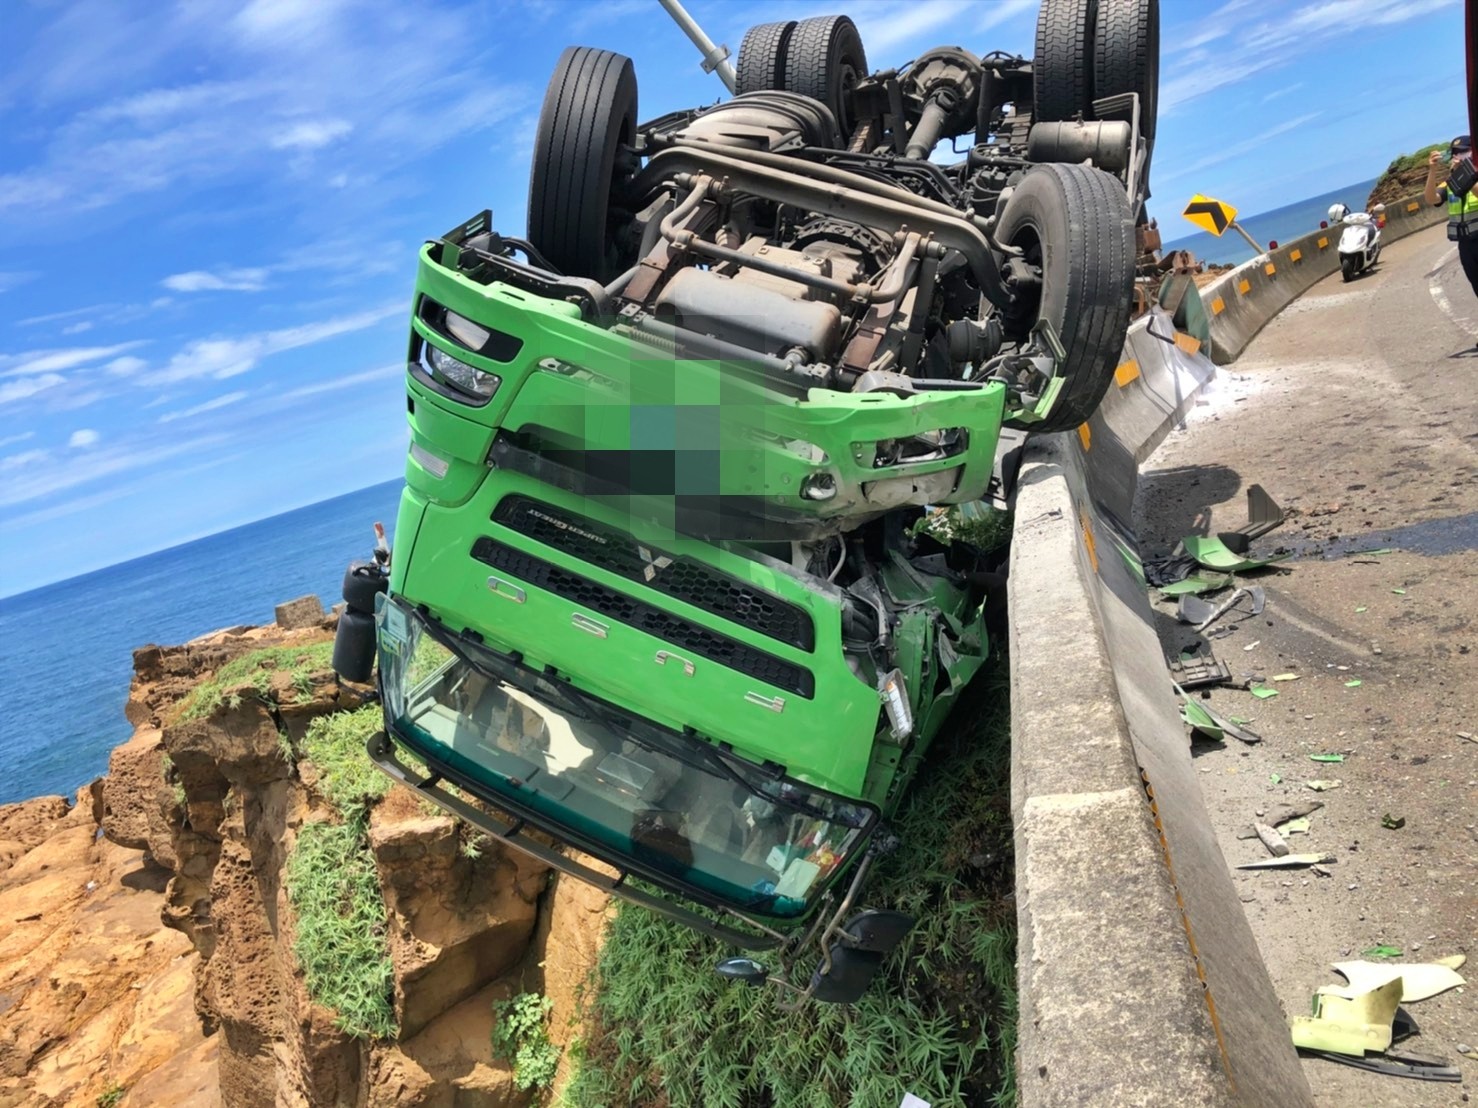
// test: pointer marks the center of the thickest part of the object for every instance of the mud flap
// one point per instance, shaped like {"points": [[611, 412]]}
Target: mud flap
{"points": [[862, 944]]}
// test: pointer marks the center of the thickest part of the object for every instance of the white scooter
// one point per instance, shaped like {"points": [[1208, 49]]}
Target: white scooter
{"points": [[1359, 242]]}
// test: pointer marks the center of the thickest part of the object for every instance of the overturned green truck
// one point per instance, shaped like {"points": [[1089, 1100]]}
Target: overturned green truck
{"points": [[659, 593]]}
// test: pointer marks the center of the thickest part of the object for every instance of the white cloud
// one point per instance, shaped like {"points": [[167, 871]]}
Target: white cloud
{"points": [[77, 328], [311, 135], [26, 387], [228, 280], [1274, 37], [338, 383], [82, 438], [11, 440], [13, 278], [1236, 150], [222, 358], [52, 361], [23, 459], [125, 366], [209, 406], [78, 469]]}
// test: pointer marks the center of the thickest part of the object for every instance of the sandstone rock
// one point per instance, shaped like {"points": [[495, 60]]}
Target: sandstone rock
{"points": [[457, 923], [137, 800], [449, 1064], [238, 744], [29, 822], [305, 611]]}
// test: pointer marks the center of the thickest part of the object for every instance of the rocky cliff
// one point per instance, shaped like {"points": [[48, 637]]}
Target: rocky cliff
{"points": [[152, 952]]}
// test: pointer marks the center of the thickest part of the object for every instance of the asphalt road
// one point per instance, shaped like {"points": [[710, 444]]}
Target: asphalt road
{"points": [[1357, 409]]}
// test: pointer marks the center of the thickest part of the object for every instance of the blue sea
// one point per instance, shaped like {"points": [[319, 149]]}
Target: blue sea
{"points": [[1280, 224], [66, 650]]}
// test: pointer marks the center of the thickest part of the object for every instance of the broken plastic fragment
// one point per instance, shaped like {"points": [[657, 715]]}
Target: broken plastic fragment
{"points": [[1350, 1025], [1326, 757], [1382, 950], [1299, 826], [1362, 608], [1321, 786], [1253, 645], [1198, 583], [1289, 861], [1200, 720], [1214, 554], [1354, 684], [1392, 823], [1399, 592], [1276, 778], [1285, 677], [1262, 692], [1419, 980]]}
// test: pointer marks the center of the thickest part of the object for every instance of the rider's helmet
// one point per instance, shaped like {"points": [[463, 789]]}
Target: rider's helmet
{"points": [[1337, 212]]}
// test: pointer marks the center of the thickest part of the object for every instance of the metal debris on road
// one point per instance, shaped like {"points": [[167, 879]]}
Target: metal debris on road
{"points": [[1290, 861], [1192, 609], [1199, 669]]}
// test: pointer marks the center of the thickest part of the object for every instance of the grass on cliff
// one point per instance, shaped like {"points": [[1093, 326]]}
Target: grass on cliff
{"points": [[255, 670], [939, 1020], [333, 884]]}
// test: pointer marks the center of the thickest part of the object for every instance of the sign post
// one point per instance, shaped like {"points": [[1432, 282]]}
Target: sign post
{"points": [[1213, 216]]}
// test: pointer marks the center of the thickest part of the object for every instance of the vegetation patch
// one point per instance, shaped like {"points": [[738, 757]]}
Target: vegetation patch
{"points": [[939, 1020], [341, 944], [333, 884], [335, 744], [111, 1096], [253, 672], [1404, 177], [521, 1036]]}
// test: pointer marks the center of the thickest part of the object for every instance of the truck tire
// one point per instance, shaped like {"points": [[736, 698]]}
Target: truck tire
{"points": [[589, 114], [1062, 69], [1075, 222], [824, 61], [1126, 55], [761, 65]]}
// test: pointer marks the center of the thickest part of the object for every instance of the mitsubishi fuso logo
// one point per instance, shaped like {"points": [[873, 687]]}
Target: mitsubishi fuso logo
{"points": [[651, 565]]}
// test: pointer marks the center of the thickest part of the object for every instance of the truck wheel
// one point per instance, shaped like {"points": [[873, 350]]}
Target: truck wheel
{"points": [[825, 60], [761, 65], [1074, 222], [1062, 70], [589, 114], [1126, 55]]}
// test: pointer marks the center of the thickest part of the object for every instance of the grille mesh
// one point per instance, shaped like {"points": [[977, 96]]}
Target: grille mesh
{"points": [[595, 597], [680, 578]]}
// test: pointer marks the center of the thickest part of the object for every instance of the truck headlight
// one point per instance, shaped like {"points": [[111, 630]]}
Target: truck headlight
{"points": [[460, 375]]}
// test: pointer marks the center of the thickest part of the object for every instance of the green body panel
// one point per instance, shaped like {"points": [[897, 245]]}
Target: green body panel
{"points": [[734, 437]]}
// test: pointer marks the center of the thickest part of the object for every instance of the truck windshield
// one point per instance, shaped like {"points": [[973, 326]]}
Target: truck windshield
{"points": [[671, 803]]}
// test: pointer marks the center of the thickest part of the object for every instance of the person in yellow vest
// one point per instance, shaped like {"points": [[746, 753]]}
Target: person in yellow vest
{"points": [[1462, 211]]}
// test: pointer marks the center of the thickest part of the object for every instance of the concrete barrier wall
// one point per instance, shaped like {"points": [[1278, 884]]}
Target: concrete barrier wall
{"points": [[1241, 303], [1140, 979]]}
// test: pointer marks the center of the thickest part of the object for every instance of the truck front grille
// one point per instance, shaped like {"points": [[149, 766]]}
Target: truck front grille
{"points": [[680, 578], [595, 597]]}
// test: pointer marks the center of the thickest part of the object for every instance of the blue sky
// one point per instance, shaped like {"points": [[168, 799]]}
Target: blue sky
{"points": [[209, 211]]}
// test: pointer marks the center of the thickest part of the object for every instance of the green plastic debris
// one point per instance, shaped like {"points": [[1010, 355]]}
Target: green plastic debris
{"points": [[1381, 950], [1262, 692], [1276, 778], [1399, 592], [1212, 553], [1392, 823], [1326, 757], [1201, 720], [1355, 683], [1362, 608], [1240, 721], [1198, 583], [1299, 826], [1321, 786]]}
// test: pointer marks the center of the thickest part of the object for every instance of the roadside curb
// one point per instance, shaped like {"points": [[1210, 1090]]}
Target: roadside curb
{"points": [[1240, 304], [1140, 979]]}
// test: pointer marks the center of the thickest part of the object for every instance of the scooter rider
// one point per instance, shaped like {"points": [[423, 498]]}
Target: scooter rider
{"points": [[1462, 211]]}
